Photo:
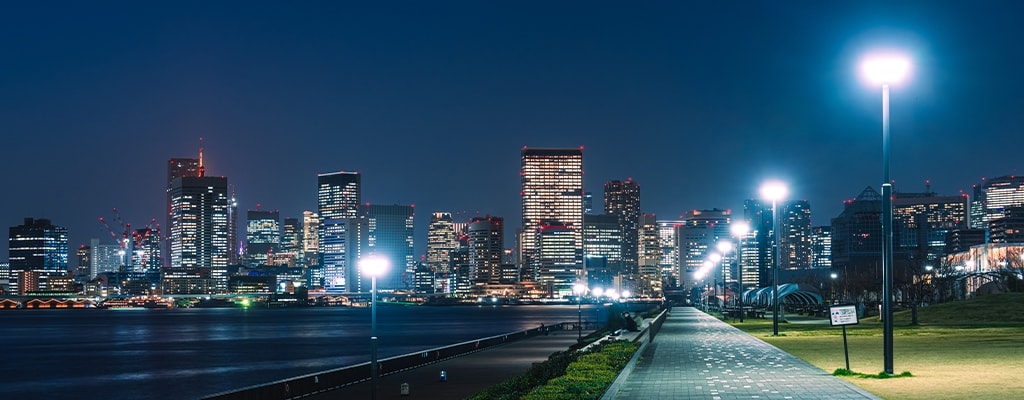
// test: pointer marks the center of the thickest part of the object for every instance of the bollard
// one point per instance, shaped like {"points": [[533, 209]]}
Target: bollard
{"points": [[444, 376], [405, 389]]}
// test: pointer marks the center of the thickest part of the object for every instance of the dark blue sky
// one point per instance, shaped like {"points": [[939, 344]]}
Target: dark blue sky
{"points": [[432, 101]]}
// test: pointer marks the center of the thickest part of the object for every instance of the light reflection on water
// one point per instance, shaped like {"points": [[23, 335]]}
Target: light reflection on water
{"points": [[188, 353]]}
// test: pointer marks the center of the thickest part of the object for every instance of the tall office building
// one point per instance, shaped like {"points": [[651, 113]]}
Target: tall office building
{"points": [[759, 247], [391, 235], [343, 241], [795, 239], [602, 237], [921, 222], [669, 261], [291, 236], [558, 258], [552, 190], [622, 199], [199, 228], [178, 168], [650, 283], [339, 195], [993, 196], [821, 247], [698, 237], [486, 249], [262, 236], [442, 239], [37, 250], [234, 245], [310, 238], [147, 256], [1009, 228], [857, 234], [82, 272]]}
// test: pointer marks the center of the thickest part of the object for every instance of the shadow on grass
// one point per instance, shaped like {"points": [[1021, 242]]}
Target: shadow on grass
{"points": [[880, 375]]}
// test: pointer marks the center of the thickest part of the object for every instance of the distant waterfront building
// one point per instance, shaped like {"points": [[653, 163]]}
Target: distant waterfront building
{"points": [[104, 257], [602, 236], [234, 245], [1009, 228], [795, 239], [178, 168], [921, 222], [310, 238], [83, 272], [391, 235], [147, 257], [291, 236], [821, 247], [698, 237], [669, 261], [339, 195], [199, 229], [622, 199], [262, 236], [486, 249], [857, 235], [343, 241], [37, 250], [993, 196], [442, 239], [557, 260], [759, 246], [552, 190], [649, 252]]}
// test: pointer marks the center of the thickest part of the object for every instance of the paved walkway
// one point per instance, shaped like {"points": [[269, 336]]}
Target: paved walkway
{"points": [[697, 356], [466, 375]]}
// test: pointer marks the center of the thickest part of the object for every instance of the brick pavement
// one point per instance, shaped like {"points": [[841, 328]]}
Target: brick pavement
{"points": [[697, 356]]}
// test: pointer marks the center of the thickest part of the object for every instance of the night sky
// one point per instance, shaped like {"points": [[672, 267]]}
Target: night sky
{"points": [[699, 102]]}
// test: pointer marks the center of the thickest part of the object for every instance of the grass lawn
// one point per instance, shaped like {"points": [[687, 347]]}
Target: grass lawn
{"points": [[968, 349]]}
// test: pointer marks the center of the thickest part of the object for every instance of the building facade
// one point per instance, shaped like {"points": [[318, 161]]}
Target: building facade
{"points": [[199, 226], [552, 190]]}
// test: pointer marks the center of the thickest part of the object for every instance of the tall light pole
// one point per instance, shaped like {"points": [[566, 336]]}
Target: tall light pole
{"points": [[373, 266], [715, 258], [884, 71], [739, 230], [724, 247], [578, 289], [775, 191], [597, 292]]}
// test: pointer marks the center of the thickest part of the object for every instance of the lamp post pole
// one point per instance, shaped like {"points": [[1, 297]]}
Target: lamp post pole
{"points": [[739, 230], [579, 289], [775, 191], [373, 266], [885, 71]]}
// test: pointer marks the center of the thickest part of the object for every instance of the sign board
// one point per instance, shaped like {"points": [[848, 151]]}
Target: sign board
{"points": [[843, 315]]}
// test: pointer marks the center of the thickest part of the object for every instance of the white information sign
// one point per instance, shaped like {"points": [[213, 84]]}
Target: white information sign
{"points": [[843, 315]]}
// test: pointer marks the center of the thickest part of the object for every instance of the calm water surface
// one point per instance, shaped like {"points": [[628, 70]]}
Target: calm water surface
{"points": [[189, 353]]}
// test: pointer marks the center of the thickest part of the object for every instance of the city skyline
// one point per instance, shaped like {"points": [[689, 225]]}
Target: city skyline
{"points": [[432, 106]]}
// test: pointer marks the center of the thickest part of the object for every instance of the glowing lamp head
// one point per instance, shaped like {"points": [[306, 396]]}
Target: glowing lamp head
{"points": [[626, 293], [715, 257], [774, 191], [578, 288], [598, 292], [373, 266], [724, 246], [739, 229], [885, 70]]}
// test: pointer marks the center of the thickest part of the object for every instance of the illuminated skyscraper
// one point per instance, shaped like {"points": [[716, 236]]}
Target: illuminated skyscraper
{"points": [[552, 190], [821, 247], [178, 168], [558, 258], [343, 241], [310, 237], [759, 246], [37, 250], [921, 222], [795, 227], [262, 236], [339, 195], [669, 261], [650, 283], [291, 236], [146, 255], [993, 196], [199, 226], [486, 248], [441, 241], [698, 236], [390, 229], [622, 199]]}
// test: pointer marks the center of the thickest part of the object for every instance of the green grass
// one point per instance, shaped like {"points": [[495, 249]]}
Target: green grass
{"points": [[967, 349]]}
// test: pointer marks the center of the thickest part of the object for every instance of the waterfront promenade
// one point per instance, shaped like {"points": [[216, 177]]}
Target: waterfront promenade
{"points": [[466, 375], [697, 356]]}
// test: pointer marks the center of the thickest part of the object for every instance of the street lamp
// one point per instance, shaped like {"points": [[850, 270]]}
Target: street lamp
{"points": [[724, 247], [579, 289], [373, 266], [597, 292], [832, 289], [739, 230], [885, 70], [775, 191]]}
